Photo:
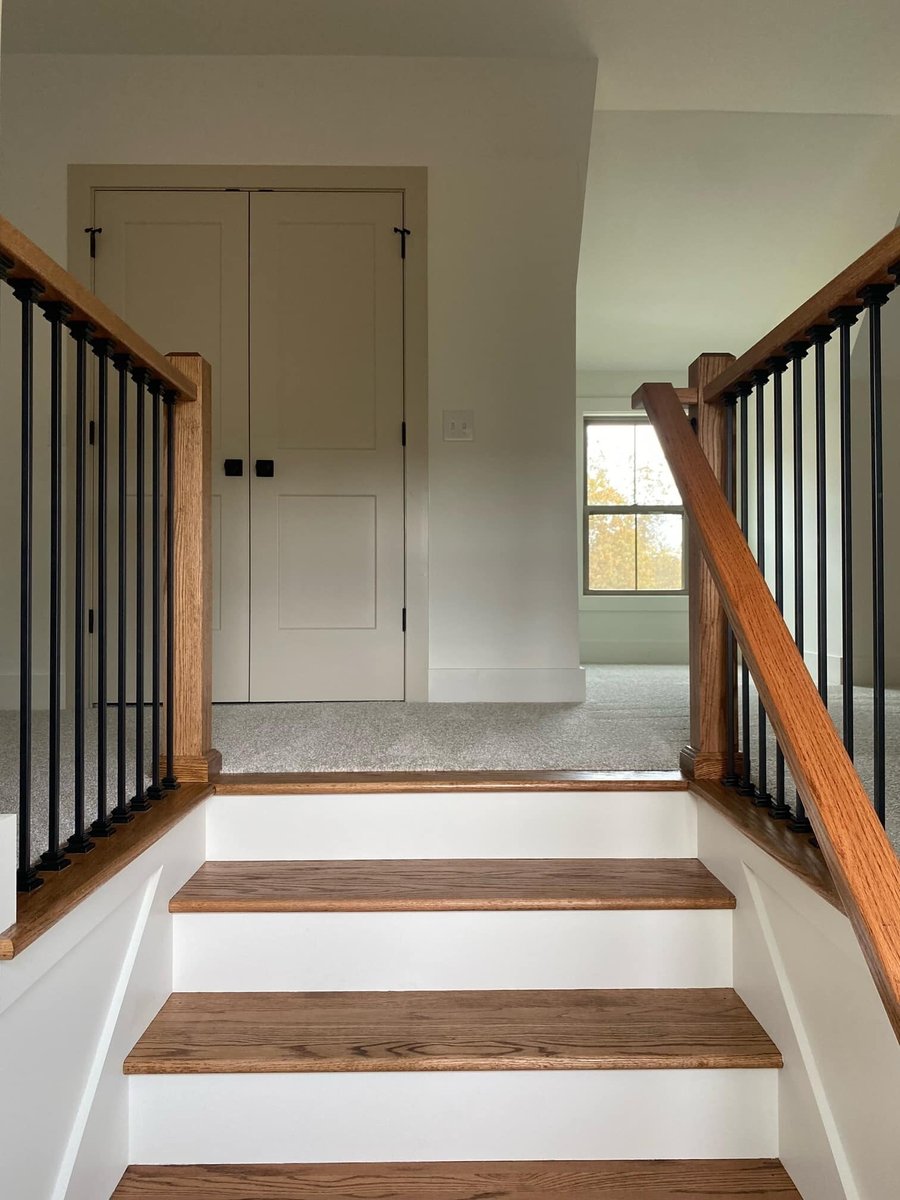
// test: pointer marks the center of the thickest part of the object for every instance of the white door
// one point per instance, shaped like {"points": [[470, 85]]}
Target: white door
{"points": [[174, 265], [326, 411]]}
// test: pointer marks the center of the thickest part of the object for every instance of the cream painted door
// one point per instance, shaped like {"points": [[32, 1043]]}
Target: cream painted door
{"points": [[326, 406], [174, 265]]}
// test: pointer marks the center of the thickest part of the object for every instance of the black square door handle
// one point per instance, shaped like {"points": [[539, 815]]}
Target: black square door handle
{"points": [[265, 468], [234, 466]]}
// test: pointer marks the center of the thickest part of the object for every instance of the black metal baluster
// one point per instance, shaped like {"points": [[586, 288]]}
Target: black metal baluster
{"points": [[844, 318], [139, 801], [102, 827], [54, 857], [874, 298], [122, 811], [797, 352], [730, 778], [761, 797], [79, 842], [26, 292], [745, 787], [820, 335], [780, 809], [155, 390], [170, 782]]}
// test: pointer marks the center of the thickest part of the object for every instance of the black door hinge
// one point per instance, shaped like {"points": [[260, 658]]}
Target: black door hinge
{"points": [[404, 234], [403, 621], [91, 433], [402, 433], [90, 620], [93, 230]]}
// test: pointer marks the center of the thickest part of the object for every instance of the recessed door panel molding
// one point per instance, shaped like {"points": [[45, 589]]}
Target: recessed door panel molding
{"points": [[174, 265], [326, 407]]}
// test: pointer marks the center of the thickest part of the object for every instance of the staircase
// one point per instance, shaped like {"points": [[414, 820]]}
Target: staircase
{"points": [[448, 1025]]}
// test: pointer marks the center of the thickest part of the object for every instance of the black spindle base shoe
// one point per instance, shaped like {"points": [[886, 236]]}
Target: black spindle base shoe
{"points": [[730, 781], [171, 784], [155, 792], [121, 816], [53, 860], [762, 800], [746, 789], [28, 880], [780, 812], [799, 826], [141, 804], [79, 843], [102, 828]]}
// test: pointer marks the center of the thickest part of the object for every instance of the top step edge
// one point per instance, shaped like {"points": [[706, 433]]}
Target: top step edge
{"points": [[341, 783]]}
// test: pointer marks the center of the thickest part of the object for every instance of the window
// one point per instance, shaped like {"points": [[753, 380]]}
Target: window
{"points": [[633, 517]]}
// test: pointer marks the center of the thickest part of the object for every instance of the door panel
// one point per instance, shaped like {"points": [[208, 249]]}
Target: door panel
{"points": [[327, 557], [174, 265]]}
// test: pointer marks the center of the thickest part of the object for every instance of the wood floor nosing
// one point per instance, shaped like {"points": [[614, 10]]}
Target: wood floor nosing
{"points": [[619, 1029], [420, 885], [719, 1179], [338, 783]]}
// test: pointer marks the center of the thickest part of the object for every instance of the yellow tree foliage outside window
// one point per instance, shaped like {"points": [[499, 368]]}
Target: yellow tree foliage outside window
{"points": [[630, 551]]}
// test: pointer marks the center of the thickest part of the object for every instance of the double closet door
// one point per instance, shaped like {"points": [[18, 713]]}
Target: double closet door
{"points": [[296, 299]]}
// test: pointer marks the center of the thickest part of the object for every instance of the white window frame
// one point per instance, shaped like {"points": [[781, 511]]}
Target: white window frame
{"points": [[589, 510]]}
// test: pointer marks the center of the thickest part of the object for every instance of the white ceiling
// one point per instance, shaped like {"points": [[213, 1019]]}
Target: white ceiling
{"points": [[713, 206], [730, 55], [702, 230]]}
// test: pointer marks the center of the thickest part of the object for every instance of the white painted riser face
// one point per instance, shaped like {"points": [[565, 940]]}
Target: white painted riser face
{"points": [[454, 825], [453, 950], [424, 1116]]}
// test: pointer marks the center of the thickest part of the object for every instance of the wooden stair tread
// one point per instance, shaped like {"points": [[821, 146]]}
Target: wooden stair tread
{"points": [[720, 1179], [451, 884], [348, 782], [219, 1032]]}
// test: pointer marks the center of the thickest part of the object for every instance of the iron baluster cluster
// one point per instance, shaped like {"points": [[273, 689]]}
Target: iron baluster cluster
{"points": [[752, 476], [69, 777]]}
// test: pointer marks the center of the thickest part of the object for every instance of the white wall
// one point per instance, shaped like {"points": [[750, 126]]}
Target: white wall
{"points": [[623, 629], [800, 969], [506, 146]]}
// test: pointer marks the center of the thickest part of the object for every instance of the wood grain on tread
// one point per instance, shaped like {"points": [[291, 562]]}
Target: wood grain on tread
{"points": [[339, 782], [720, 1179], [38, 911], [401, 885], [219, 1032]]}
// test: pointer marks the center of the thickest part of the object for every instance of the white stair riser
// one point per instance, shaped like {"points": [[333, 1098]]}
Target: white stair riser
{"points": [[454, 825], [425, 1116], [451, 950]]}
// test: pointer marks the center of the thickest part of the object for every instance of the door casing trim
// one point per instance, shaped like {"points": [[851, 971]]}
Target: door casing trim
{"points": [[86, 180]]}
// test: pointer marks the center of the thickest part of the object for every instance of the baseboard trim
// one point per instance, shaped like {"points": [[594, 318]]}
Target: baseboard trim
{"points": [[501, 685]]}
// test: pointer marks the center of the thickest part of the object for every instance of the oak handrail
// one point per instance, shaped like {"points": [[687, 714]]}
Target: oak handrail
{"points": [[865, 869], [25, 260], [879, 264]]}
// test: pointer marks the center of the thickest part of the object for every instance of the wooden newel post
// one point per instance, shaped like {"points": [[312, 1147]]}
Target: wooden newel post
{"points": [[195, 759], [705, 755]]}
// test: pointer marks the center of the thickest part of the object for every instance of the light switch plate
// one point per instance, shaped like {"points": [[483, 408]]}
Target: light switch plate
{"points": [[459, 425]]}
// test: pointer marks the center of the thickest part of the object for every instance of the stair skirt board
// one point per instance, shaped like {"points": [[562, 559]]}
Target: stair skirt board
{"points": [[454, 1115], [396, 951], [560, 824]]}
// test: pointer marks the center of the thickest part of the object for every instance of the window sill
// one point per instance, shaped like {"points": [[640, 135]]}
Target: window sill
{"points": [[625, 602]]}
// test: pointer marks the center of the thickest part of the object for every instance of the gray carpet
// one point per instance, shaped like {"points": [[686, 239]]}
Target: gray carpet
{"points": [[634, 718]]}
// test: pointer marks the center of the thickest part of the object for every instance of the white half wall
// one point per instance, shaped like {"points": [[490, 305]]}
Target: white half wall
{"points": [[505, 143], [800, 970]]}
